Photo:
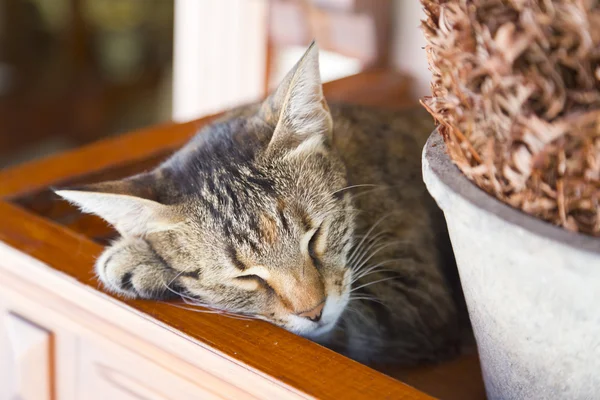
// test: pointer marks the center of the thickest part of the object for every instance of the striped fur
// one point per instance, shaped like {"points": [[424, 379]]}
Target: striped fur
{"points": [[283, 205]]}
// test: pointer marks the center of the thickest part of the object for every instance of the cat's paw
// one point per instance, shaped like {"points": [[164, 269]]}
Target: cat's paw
{"points": [[130, 268]]}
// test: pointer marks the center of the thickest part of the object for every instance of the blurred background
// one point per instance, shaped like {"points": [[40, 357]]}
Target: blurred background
{"points": [[75, 71]]}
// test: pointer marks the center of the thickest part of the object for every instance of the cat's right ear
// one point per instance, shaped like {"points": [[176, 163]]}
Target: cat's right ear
{"points": [[297, 108], [130, 205]]}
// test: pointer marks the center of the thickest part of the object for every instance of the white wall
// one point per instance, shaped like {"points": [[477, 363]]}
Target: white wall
{"points": [[408, 54], [219, 55], [332, 65], [220, 50]]}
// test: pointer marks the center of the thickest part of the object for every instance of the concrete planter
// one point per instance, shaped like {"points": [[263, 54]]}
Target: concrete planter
{"points": [[532, 290]]}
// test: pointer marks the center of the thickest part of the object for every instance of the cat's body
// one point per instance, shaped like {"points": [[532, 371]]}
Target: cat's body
{"points": [[413, 316], [316, 221]]}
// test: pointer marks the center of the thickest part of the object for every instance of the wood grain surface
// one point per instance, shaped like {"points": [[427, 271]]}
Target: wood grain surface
{"points": [[288, 358]]}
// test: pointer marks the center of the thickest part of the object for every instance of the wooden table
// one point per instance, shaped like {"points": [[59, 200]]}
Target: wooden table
{"points": [[62, 337]]}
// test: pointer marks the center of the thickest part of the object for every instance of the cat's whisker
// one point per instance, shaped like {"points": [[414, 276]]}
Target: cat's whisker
{"points": [[178, 275], [366, 192], [183, 296], [361, 264], [194, 302], [372, 269], [357, 249], [191, 301], [373, 299], [172, 290], [355, 295], [379, 249], [353, 309], [367, 246], [359, 314], [373, 283], [352, 187], [358, 255], [168, 285], [362, 297], [369, 298], [241, 317], [225, 314], [206, 308], [371, 230], [206, 311], [367, 269], [371, 272]]}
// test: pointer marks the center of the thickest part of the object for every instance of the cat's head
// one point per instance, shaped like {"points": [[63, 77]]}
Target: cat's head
{"points": [[250, 217]]}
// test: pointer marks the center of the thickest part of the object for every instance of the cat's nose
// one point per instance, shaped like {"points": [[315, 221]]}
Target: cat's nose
{"points": [[314, 314]]}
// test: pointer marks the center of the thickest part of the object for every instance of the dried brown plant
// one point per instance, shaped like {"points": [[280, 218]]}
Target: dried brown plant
{"points": [[516, 91]]}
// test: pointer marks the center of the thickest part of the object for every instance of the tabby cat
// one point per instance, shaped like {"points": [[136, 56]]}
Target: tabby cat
{"points": [[312, 218]]}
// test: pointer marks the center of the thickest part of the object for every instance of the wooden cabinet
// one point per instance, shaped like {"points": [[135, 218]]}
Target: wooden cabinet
{"points": [[63, 338], [28, 365], [106, 370]]}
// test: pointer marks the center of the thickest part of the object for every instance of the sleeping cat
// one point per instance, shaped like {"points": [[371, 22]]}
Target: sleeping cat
{"points": [[311, 218]]}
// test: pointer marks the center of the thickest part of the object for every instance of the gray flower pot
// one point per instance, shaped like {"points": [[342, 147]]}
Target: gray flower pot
{"points": [[532, 290]]}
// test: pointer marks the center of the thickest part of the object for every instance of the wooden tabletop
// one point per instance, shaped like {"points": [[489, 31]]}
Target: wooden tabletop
{"points": [[35, 222]]}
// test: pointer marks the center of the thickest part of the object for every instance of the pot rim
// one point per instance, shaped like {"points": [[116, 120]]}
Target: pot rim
{"points": [[437, 161]]}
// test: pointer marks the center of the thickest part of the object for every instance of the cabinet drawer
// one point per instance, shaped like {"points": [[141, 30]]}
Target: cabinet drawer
{"points": [[27, 362], [109, 371]]}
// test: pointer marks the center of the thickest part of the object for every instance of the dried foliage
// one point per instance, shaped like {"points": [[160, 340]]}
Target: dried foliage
{"points": [[516, 90]]}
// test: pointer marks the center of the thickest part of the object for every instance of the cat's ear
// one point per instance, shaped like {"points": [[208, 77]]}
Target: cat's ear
{"points": [[298, 109], [129, 205]]}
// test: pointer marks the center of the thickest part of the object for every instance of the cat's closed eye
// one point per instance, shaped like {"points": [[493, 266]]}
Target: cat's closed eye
{"points": [[250, 278], [249, 282], [312, 247], [252, 282]]}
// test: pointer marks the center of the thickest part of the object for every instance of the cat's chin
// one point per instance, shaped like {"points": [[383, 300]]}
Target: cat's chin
{"points": [[310, 330], [320, 331], [334, 307]]}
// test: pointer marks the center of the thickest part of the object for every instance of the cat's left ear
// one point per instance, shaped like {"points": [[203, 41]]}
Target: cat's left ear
{"points": [[298, 109], [130, 205]]}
